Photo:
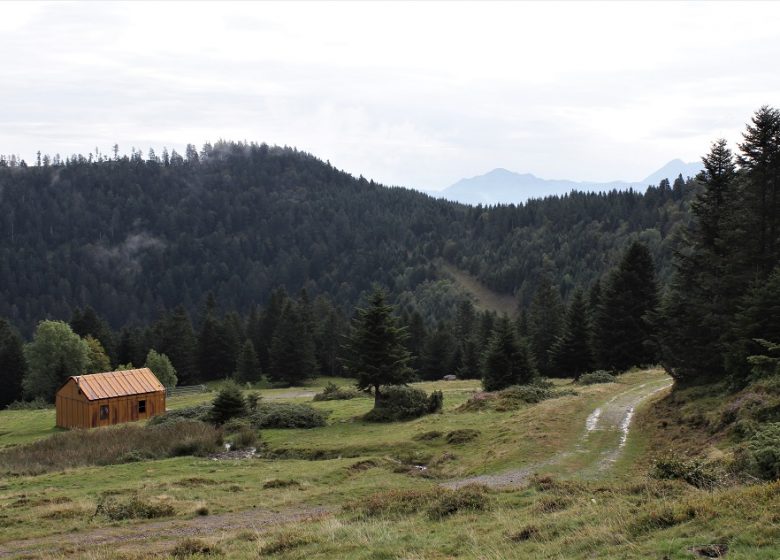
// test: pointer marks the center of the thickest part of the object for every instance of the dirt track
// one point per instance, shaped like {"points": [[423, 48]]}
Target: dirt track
{"points": [[158, 535], [604, 436]]}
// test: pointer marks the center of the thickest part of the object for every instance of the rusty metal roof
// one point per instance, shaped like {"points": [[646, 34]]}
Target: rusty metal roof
{"points": [[118, 383]]}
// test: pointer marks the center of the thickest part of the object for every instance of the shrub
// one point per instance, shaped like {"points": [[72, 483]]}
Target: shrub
{"points": [[435, 402], [36, 404], [427, 436], [244, 438], [229, 403], [462, 436], [279, 483], [112, 445], [191, 547], [600, 376], [134, 508], [468, 498], [252, 399], [514, 397], [399, 402], [201, 412], [761, 454], [393, 503], [332, 392], [283, 543], [692, 471], [286, 415]]}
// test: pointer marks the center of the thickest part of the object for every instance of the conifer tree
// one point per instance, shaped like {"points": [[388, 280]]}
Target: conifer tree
{"points": [[375, 353], [629, 300], [87, 322], [507, 360], [175, 337], [292, 358], [248, 366], [229, 403], [571, 353], [13, 366], [438, 354], [545, 323]]}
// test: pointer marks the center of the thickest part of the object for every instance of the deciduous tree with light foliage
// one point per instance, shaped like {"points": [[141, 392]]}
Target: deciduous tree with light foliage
{"points": [[162, 368], [54, 354]]}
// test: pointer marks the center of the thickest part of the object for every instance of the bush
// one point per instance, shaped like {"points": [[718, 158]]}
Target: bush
{"points": [[279, 483], [112, 445], [192, 547], [462, 436], [435, 402], [286, 415], [692, 471], [399, 402], [600, 376], [393, 503], [244, 438], [229, 403], [201, 412], [514, 397], [332, 392], [36, 404], [760, 456], [134, 508], [468, 498], [427, 436], [252, 399]]}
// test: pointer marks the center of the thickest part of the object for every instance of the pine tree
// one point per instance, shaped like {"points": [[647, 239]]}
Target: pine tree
{"points": [[87, 322], [291, 355], [625, 328], [375, 353], [248, 366], [13, 366], [131, 348], [416, 340], [507, 360], [571, 353], [268, 323], [175, 338], [229, 403], [699, 307], [545, 323], [438, 354]]}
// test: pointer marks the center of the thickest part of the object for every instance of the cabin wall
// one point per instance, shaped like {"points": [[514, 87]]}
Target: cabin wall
{"points": [[74, 411]]}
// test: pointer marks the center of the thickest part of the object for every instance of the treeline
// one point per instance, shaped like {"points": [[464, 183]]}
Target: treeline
{"points": [[133, 235]]}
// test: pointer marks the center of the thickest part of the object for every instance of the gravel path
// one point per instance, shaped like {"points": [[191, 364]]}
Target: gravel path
{"points": [[158, 535], [604, 436]]}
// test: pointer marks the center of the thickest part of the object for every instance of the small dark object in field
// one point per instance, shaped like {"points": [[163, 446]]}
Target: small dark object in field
{"points": [[456, 437], [427, 436], [525, 534], [710, 550], [279, 483], [191, 547], [202, 511]]}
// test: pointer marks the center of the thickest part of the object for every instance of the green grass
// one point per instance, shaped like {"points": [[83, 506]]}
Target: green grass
{"points": [[621, 514]]}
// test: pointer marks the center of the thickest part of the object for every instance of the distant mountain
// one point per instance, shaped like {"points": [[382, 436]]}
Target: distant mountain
{"points": [[501, 186]]}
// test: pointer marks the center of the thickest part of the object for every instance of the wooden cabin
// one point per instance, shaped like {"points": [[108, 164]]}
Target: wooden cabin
{"points": [[114, 397]]}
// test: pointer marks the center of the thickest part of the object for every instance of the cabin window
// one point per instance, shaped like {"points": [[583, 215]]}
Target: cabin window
{"points": [[104, 412], [141, 406]]}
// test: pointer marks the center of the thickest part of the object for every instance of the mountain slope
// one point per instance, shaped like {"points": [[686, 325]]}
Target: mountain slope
{"points": [[501, 186]]}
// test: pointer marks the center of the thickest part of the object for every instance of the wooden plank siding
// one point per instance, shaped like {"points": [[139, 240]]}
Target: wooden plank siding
{"points": [[76, 410]]}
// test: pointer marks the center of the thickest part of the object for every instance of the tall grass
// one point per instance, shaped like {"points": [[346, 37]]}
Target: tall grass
{"points": [[111, 445]]}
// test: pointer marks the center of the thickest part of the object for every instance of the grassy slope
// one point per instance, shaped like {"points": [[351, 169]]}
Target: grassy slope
{"points": [[624, 517], [485, 299]]}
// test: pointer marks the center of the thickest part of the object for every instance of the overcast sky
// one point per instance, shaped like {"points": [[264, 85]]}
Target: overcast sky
{"points": [[413, 94]]}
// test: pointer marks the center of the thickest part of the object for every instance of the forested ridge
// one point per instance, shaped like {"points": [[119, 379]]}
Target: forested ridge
{"points": [[134, 236]]}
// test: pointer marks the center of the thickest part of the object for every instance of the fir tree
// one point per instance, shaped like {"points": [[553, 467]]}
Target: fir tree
{"points": [[545, 324], [291, 355], [248, 366], [571, 353], [175, 338], [12, 364], [507, 360], [625, 328], [229, 403], [438, 354], [375, 352]]}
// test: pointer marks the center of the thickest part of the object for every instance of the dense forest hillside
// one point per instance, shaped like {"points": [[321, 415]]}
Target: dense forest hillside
{"points": [[134, 235]]}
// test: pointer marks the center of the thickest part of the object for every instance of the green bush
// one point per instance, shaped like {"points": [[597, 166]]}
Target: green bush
{"points": [[201, 413], [435, 402], [600, 376], [286, 415], [332, 392], [468, 498], [456, 437], [693, 471], [229, 403], [244, 438], [194, 547], [427, 436], [36, 404], [399, 402], [134, 508], [761, 454]]}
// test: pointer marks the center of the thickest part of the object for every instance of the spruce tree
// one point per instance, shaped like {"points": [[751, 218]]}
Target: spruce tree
{"points": [[175, 337], [545, 324], [88, 323], [571, 353], [13, 366], [506, 360], [625, 326], [438, 354], [292, 358], [229, 403], [374, 351], [248, 366]]}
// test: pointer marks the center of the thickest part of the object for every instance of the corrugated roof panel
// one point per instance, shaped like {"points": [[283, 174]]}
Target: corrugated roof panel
{"points": [[118, 383]]}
